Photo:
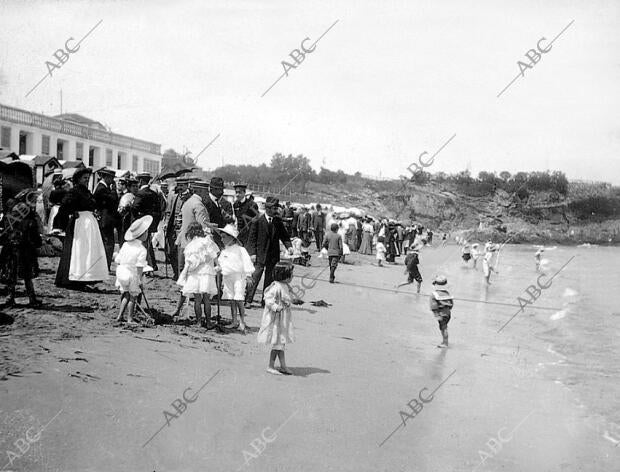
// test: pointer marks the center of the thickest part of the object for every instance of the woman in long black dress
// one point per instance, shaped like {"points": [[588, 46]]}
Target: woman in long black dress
{"points": [[83, 257]]}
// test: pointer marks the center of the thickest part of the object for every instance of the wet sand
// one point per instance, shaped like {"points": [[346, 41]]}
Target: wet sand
{"points": [[357, 365]]}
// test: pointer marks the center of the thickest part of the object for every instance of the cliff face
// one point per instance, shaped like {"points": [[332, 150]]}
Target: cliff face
{"points": [[542, 217]]}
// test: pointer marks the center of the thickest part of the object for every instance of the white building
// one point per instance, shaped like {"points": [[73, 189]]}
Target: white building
{"points": [[72, 137]]}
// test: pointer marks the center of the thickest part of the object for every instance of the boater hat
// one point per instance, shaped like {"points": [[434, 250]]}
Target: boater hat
{"points": [[440, 282], [240, 186], [104, 171], [138, 228]]}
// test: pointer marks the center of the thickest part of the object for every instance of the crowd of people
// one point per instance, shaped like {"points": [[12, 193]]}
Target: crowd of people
{"points": [[217, 250]]}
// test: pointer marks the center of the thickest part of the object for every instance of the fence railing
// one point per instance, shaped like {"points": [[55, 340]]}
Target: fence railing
{"points": [[15, 115]]}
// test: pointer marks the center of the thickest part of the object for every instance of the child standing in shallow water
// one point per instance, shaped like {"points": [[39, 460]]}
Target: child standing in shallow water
{"points": [[198, 275], [381, 250], [131, 260], [276, 326], [441, 305]]}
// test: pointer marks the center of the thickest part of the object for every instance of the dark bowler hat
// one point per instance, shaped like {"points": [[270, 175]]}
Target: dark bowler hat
{"points": [[143, 175], [217, 182], [104, 171], [272, 202], [240, 186]]}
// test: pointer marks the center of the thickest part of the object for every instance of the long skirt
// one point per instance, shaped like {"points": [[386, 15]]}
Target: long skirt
{"points": [[366, 246], [83, 255]]}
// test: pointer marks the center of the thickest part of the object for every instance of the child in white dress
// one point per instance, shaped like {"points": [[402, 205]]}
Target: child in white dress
{"points": [[198, 275], [237, 270], [276, 327], [381, 250], [131, 260]]}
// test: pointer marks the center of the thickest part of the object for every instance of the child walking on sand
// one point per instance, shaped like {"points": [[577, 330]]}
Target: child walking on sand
{"points": [[131, 260], [441, 305], [237, 270], [198, 275], [381, 250], [276, 326], [333, 245]]}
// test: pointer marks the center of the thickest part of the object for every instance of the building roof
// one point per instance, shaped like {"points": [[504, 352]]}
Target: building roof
{"points": [[80, 119]]}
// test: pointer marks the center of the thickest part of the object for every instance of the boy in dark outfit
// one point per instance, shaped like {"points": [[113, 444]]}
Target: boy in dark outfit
{"points": [[20, 238], [411, 269]]}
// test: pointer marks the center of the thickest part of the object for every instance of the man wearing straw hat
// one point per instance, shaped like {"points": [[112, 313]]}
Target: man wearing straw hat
{"points": [[106, 203]]}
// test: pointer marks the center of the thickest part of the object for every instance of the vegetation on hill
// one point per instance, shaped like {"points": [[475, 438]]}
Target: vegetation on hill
{"points": [[540, 206]]}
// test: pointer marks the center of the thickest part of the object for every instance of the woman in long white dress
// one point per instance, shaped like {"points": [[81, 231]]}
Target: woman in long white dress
{"points": [[83, 257]]}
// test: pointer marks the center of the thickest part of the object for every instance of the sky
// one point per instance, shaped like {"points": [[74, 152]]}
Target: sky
{"points": [[389, 81]]}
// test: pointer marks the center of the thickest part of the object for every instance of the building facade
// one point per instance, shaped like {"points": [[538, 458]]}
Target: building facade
{"points": [[72, 137]]}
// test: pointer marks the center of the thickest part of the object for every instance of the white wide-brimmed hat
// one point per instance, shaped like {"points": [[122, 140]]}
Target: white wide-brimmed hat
{"points": [[440, 282], [230, 230], [138, 228]]}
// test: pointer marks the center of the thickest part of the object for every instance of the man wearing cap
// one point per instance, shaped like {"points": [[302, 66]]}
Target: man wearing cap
{"points": [[174, 221], [304, 225], [212, 203], [245, 209], [263, 245], [147, 202], [106, 203], [287, 218]]}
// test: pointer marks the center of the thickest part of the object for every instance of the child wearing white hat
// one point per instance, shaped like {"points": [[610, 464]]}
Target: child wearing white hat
{"points": [[441, 305], [237, 270], [131, 260]]}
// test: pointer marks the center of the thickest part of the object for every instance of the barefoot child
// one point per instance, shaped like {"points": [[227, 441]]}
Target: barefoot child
{"points": [[487, 267], [237, 270], [198, 275], [381, 250], [411, 262], [441, 306], [131, 260], [276, 327], [333, 245], [475, 254]]}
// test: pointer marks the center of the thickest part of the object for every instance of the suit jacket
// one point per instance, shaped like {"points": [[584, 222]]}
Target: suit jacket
{"points": [[106, 201], [215, 212], [265, 245], [193, 210], [245, 211], [318, 223], [147, 202], [304, 222]]}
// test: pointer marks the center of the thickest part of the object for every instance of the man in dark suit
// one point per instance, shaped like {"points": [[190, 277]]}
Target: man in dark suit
{"points": [[173, 224], [217, 216], [318, 226], [263, 245], [245, 209], [147, 202], [106, 203]]}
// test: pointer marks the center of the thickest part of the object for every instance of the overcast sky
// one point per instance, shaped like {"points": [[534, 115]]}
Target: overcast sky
{"points": [[390, 80]]}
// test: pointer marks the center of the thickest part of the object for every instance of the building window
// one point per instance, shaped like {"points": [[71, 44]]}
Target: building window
{"points": [[79, 151], [45, 145], [151, 166], [5, 137], [134, 163], [108, 157]]}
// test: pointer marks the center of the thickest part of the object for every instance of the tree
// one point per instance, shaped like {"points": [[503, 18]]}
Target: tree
{"points": [[504, 175], [288, 169]]}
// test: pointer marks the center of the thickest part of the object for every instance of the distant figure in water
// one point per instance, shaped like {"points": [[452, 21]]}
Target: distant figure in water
{"points": [[466, 252], [441, 305], [475, 254], [487, 267], [538, 257]]}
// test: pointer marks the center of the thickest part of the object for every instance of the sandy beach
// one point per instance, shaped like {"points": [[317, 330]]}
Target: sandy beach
{"points": [[360, 369]]}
